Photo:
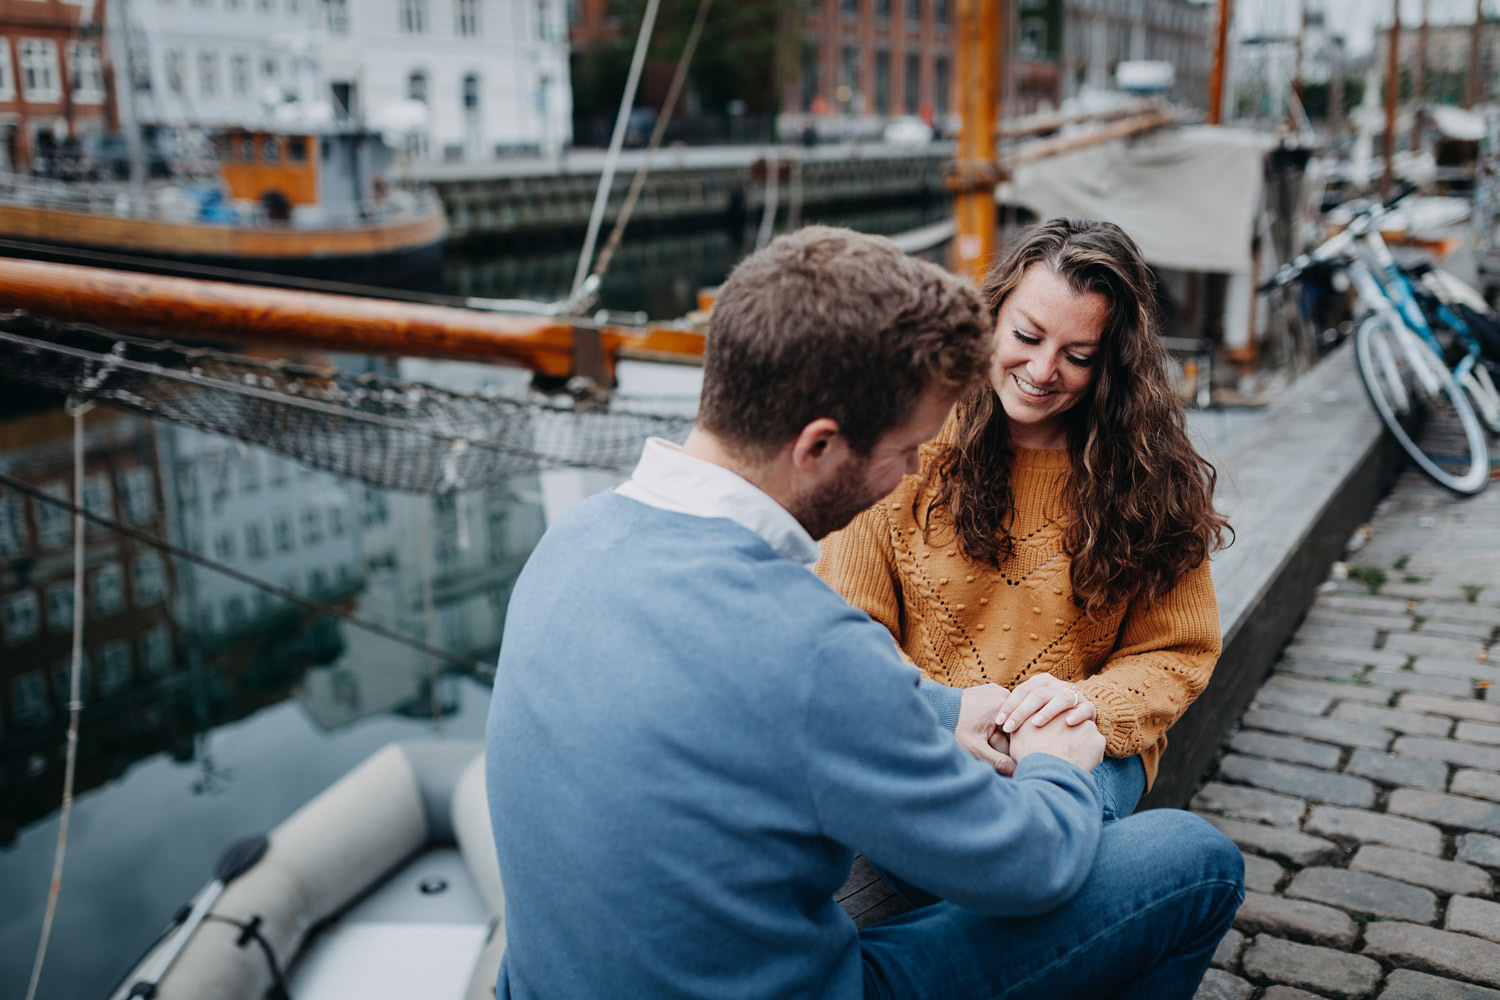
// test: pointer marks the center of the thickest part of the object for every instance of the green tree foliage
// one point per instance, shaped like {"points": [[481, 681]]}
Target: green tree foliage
{"points": [[746, 52], [1315, 97]]}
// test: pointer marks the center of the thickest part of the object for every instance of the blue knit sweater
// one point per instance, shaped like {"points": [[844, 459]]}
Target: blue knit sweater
{"points": [[689, 739]]}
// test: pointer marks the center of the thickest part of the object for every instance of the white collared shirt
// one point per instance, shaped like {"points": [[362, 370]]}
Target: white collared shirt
{"points": [[670, 479]]}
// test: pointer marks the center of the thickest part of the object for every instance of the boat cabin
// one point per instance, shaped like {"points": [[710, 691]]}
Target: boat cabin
{"points": [[329, 174]]}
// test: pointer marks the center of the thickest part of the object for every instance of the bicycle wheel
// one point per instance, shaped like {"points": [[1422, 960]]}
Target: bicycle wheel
{"points": [[1438, 430], [1479, 386]]}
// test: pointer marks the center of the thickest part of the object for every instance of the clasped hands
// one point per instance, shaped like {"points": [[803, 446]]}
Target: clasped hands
{"points": [[1042, 714]]}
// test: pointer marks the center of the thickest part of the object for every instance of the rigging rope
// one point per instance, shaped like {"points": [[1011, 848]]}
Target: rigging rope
{"points": [[679, 76], [387, 432], [75, 706], [607, 176]]}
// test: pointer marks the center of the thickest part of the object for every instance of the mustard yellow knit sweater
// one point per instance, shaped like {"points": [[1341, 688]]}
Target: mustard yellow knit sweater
{"points": [[965, 624]]}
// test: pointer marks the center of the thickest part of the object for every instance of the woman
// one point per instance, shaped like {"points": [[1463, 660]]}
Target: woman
{"points": [[1056, 539]]}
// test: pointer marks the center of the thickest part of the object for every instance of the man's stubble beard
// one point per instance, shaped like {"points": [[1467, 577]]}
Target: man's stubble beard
{"points": [[826, 510]]}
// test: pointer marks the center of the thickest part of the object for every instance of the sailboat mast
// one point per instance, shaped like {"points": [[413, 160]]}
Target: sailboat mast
{"points": [[975, 171], [1392, 94], [1216, 75]]}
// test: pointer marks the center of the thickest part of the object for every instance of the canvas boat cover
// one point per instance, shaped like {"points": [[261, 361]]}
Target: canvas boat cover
{"points": [[1188, 195]]}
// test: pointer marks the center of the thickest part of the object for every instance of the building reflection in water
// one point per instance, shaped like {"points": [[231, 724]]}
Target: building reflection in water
{"points": [[173, 649]]}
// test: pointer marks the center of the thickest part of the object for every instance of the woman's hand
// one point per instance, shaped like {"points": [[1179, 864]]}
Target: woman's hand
{"points": [[1041, 698]]}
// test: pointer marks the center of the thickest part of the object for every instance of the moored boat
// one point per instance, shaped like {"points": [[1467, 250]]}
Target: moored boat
{"points": [[315, 201], [384, 885]]}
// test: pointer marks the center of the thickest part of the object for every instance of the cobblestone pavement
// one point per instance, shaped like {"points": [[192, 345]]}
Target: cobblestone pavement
{"points": [[1363, 784]]}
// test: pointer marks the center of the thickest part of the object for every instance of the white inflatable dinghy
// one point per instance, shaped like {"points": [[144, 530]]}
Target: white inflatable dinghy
{"points": [[383, 886]]}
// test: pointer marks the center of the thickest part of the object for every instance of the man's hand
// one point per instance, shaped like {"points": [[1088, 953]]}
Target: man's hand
{"points": [[1081, 744], [976, 731]]}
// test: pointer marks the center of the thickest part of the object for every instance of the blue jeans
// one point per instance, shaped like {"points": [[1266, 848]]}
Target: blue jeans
{"points": [[1164, 889], [1122, 780]]}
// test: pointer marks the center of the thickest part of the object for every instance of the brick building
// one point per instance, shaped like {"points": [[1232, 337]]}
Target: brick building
{"points": [[53, 81]]}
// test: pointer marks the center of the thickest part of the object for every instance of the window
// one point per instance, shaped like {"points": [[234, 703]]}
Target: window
{"points": [[234, 611], [882, 83], [98, 496], [22, 617], [13, 533], [60, 607], [62, 677], [28, 698], [883, 10], [208, 74], [108, 590], [175, 69], [850, 79], [941, 85], [312, 526], [270, 68], [913, 83], [54, 522], [7, 79], [471, 94], [270, 151], [114, 666], [913, 11], [138, 494], [466, 18], [156, 649], [416, 86], [255, 541], [39, 76], [413, 17], [336, 522], [849, 6], [296, 151], [317, 582], [88, 72], [941, 11], [224, 546], [239, 74], [810, 82], [283, 533], [148, 579], [336, 16]]}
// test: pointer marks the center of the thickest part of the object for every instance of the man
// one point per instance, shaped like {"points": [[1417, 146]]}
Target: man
{"points": [[691, 735]]}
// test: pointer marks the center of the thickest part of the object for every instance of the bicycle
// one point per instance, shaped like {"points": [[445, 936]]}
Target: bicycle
{"points": [[1400, 359]]}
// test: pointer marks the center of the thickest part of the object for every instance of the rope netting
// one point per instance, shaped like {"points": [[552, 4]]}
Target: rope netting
{"points": [[387, 432]]}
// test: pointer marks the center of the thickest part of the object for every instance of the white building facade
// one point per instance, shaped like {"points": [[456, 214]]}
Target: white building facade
{"points": [[492, 74], [207, 63]]}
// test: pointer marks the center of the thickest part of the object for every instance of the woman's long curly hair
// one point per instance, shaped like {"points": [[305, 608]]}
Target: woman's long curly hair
{"points": [[1140, 494]]}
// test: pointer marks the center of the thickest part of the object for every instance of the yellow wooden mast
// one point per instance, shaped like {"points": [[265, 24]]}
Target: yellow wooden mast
{"points": [[975, 171]]}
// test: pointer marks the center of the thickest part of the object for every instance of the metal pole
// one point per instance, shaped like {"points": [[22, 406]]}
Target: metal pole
{"points": [[1474, 93], [975, 173], [1299, 80], [1392, 92], [1419, 84], [1216, 75]]}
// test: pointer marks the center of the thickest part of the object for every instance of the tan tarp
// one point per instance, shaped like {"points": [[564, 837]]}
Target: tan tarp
{"points": [[1188, 195]]}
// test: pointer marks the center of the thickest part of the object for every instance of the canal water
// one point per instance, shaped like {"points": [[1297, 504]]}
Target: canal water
{"points": [[213, 709]]}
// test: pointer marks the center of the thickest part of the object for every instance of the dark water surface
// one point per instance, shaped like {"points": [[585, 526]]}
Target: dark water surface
{"points": [[213, 709]]}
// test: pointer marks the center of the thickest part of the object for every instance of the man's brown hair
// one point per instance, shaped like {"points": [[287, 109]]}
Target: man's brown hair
{"points": [[829, 322]]}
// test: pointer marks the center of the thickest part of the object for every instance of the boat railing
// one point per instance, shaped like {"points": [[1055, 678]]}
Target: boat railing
{"points": [[182, 202]]}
